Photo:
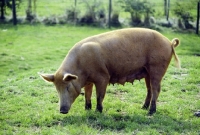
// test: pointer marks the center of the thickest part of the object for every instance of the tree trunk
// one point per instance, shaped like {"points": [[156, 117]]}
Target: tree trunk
{"points": [[165, 7], [14, 12], [2, 10], [168, 6], [198, 14], [34, 3], [29, 6]]}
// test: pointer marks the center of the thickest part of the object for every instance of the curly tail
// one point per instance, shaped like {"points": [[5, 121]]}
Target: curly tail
{"points": [[175, 42]]}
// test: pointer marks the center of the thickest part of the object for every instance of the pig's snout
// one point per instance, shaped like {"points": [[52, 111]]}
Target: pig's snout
{"points": [[64, 110]]}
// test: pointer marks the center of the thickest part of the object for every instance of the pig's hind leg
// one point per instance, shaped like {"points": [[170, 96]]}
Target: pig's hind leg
{"points": [[156, 73], [149, 94]]}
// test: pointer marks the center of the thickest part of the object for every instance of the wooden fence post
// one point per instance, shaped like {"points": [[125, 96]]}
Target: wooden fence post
{"points": [[198, 10]]}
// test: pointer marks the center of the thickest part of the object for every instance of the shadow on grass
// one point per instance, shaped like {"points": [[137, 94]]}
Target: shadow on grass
{"points": [[137, 122]]}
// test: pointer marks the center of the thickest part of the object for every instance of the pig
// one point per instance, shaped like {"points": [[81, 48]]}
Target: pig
{"points": [[117, 56]]}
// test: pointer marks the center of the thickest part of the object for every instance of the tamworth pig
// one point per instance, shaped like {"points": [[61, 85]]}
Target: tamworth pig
{"points": [[114, 57]]}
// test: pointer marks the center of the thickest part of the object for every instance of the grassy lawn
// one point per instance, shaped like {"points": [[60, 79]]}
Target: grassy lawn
{"points": [[30, 106]]}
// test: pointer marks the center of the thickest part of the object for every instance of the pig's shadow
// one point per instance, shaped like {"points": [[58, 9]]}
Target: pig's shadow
{"points": [[139, 122]]}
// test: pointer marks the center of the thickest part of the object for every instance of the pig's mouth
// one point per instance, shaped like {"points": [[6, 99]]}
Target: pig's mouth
{"points": [[64, 110]]}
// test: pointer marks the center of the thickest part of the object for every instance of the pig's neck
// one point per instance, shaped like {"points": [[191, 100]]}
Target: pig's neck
{"points": [[69, 65], [78, 83]]}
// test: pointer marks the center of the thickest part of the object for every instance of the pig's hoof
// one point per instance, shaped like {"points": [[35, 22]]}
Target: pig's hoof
{"points": [[151, 112], [99, 110], [145, 107], [88, 107], [197, 113]]}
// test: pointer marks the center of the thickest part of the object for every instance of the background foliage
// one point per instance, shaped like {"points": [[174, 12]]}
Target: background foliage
{"points": [[182, 14]]}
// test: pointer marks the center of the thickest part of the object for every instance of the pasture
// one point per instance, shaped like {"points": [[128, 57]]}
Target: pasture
{"points": [[30, 106]]}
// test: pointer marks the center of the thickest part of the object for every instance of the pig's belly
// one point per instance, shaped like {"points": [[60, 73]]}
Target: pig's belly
{"points": [[128, 77]]}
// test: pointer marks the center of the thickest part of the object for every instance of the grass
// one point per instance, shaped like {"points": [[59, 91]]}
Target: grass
{"points": [[28, 105]]}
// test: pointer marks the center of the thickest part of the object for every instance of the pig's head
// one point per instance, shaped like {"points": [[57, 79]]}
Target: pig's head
{"points": [[67, 91]]}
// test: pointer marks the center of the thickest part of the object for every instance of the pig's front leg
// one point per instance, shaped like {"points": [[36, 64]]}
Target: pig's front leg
{"points": [[88, 94], [100, 93]]}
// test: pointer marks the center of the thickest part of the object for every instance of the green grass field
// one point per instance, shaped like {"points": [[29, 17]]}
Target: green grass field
{"points": [[30, 106]]}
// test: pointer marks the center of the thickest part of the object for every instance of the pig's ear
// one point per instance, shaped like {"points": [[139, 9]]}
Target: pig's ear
{"points": [[47, 77], [69, 77]]}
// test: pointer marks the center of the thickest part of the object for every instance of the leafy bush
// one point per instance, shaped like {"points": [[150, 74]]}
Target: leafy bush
{"points": [[183, 11], [115, 20], [51, 20], [72, 15], [30, 15], [94, 12], [137, 9]]}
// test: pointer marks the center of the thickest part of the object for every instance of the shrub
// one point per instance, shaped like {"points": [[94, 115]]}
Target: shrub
{"points": [[183, 11], [94, 12], [72, 15], [51, 20], [137, 9], [115, 20], [30, 16]]}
